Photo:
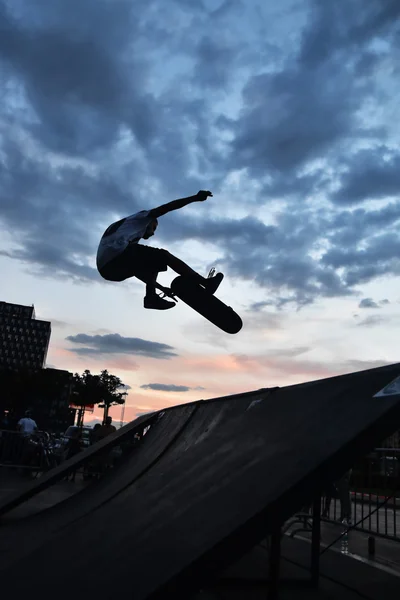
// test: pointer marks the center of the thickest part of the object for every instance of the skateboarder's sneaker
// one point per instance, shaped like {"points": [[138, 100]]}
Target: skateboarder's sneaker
{"points": [[157, 303], [213, 281]]}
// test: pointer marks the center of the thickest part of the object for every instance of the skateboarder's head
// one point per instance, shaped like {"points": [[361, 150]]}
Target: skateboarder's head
{"points": [[150, 229]]}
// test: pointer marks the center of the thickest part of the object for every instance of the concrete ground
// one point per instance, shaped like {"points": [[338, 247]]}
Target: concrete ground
{"points": [[342, 577], [386, 551]]}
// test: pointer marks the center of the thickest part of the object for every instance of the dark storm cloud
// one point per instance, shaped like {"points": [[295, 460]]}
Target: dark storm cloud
{"points": [[75, 81], [371, 174], [214, 59], [280, 258], [108, 108], [276, 257], [379, 257], [304, 110], [114, 343], [329, 32], [50, 262], [53, 212], [368, 303], [289, 118], [81, 72], [164, 387], [350, 227], [86, 74]]}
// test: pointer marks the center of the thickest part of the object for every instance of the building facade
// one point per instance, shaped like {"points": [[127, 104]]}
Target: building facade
{"points": [[24, 340], [45, 392], [49, 400]]}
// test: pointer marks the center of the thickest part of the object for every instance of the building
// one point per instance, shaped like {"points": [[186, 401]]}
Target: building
{"points": [[24, 340], [46, 392], [24, 382], [49, 400]]}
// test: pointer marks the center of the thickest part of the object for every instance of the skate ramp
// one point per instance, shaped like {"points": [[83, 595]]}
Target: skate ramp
{"points": [[20, 538], [238, 469], [64, 469]]}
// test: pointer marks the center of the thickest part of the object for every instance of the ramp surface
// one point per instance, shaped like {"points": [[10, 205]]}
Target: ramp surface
{"points": [[21, 538], [73, 463], [238, 469]]}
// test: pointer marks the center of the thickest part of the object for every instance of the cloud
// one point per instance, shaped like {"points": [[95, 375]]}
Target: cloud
{"points": [[371, 174], [164, 387], [302, 109], [372, 321], [289, 352], [114, 343], [79, 96], [75, 81], [378, 257], [274, 257], [350, 228], [58, 323], [289, 117], [368, 303], [363, 365]]}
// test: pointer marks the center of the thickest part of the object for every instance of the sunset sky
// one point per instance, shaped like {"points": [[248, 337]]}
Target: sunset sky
{"points": [[287, 111]]}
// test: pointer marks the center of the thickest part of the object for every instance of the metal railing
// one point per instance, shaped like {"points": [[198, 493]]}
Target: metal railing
{"points": [[31, 452], [369, 497], [40, 452], [366, 499]]}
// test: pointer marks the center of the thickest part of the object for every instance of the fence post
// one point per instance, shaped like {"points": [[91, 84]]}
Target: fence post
{"points": [[316, 539]]}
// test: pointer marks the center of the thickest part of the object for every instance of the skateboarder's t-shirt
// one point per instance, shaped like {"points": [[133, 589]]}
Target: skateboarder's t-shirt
{"points": [[118, 235]]}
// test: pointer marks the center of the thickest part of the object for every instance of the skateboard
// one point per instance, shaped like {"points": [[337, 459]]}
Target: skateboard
{"points": [[206, 304]]}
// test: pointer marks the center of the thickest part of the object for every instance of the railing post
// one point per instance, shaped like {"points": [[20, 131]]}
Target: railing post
{"points": [[316, 539], [274, 565]]}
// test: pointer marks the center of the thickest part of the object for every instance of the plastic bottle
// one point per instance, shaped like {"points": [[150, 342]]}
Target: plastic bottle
{"points": [[344, 547]]}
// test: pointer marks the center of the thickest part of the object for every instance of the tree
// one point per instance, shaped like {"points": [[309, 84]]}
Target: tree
{"points": [[103, 390]]}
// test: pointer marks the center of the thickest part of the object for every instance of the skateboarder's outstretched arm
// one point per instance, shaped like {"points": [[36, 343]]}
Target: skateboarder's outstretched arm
{"points": [[175, 204]]}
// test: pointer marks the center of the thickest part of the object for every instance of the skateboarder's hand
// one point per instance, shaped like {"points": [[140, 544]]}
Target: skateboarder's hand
{"points": [[203, 195]]}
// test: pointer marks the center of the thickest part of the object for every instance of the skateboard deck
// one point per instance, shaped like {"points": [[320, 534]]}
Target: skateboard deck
{"points": [[206, 304]]}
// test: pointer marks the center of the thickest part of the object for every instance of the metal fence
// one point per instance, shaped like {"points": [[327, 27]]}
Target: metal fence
{"points": [[26, 452], [368, 497], [40, 452]]}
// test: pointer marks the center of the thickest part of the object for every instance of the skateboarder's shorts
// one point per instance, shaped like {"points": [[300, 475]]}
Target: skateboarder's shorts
{"points": [[135, 261]]}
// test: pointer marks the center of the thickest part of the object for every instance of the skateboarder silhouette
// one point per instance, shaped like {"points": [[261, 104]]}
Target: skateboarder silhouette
{"points": [[121, 256]]}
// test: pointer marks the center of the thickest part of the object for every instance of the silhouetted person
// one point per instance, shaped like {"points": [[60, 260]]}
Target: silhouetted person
{"points": [[341, 490], [93, 434], [27, 425], [120, 255], [106, 429], [73, 447], [104, 458]]}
